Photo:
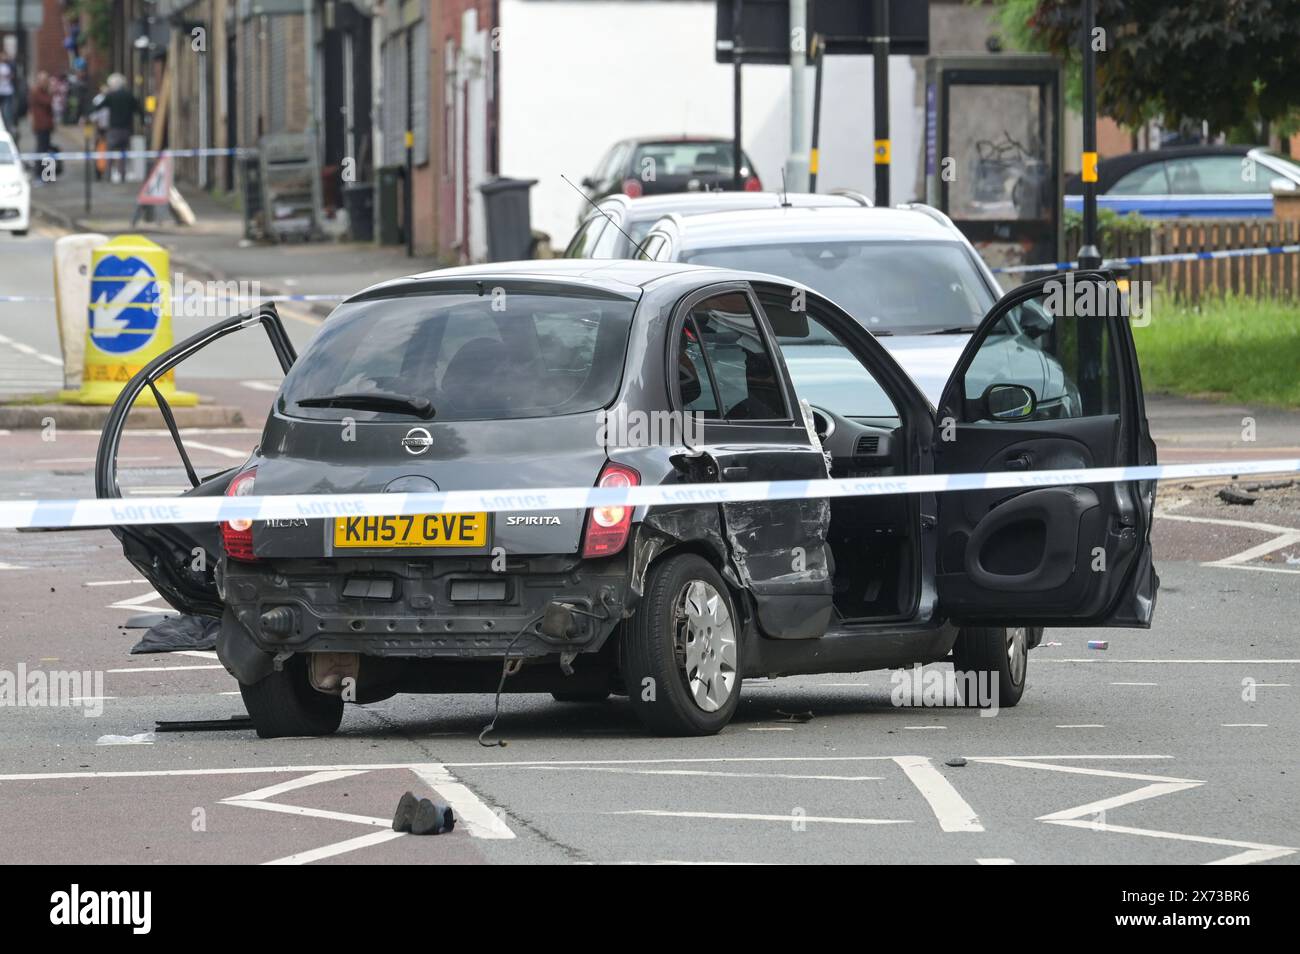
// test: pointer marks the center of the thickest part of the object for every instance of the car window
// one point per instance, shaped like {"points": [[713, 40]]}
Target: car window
{"points": [[651, 247], [1053, 345], [500, 355], [1150, 179], [584, 240], [683, 158], [1223, 175], [6, 154], [824, 371], [739, 362], [901, 287], [611, 243], [694, 385], [612, 165]]}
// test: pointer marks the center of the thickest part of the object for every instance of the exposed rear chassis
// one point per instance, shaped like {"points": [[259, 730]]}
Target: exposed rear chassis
{"points": [[415, 616]]}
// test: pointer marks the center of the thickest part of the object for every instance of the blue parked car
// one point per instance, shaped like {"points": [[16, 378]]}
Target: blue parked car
{"points": [[1191, 182]]}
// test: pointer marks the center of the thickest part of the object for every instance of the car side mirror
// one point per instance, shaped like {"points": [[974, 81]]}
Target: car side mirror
{"points": [[1034, 322], [588, 182], [1008, 402]]}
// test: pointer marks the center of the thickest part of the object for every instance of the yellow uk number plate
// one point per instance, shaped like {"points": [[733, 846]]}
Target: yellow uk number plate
{"points": [[412, 530]]}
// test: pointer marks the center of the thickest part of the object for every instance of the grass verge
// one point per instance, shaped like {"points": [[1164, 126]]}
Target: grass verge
{"points": [[1233, 349]]}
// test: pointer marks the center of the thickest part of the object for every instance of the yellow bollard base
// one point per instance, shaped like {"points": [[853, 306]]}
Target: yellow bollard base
{"points": [[103, 393]]}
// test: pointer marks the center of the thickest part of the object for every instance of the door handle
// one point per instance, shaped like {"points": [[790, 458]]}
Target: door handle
{"points": [[1018, 462], [735, 473]]}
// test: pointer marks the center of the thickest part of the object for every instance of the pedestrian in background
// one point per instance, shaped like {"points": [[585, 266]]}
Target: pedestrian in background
{"points": [[41, 106], [123, 108], [8, 92]]}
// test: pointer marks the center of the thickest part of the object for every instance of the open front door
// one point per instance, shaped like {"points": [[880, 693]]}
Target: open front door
{"points": [[1049, 381], [179, 559]]}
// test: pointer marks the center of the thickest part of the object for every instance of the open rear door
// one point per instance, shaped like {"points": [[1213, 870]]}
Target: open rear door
{"points": [[1049, 381], [179, 559]]}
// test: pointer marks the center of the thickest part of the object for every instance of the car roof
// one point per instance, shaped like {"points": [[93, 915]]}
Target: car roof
{"points": [[697, 203], [785, 225], [618, 275]]}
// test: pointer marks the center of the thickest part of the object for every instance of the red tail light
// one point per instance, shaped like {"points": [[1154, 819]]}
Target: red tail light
{"points": [[632, 188], [608, 527], [237, 535], [753, 185]]}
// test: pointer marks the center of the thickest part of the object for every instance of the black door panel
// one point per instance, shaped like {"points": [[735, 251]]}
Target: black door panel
{"points": [[1070, 555], [179, 559]]}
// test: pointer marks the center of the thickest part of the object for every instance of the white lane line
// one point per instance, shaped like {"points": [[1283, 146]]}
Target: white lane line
{"points": [[1083, 725], [952, 811], [770, 728], [480, 820], [338, 848], [1133, 684], [309, 812], [1253, 855], [1206, 662], [316, 778], [30, 351], [995, 861], [215, 449], [1258, 569], [704, 773], [196, 653], [1272, 685], [743, 816], [923, 727], [164, 669], [1254, 553], [1243, 725], [112, 582], [1081, 770], [11, 566], [1223, 522], [1255, 852], [1154, 790], [1028, 760], [260, 385]]}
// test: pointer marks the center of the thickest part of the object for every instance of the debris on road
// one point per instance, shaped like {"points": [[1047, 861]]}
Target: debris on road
{"points": [[177, 633], [1234, 496], [957, 762], [422, 816], [1098, 644]]}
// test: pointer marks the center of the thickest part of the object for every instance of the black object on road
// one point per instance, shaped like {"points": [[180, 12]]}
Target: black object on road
{"points": [[205, 725], [175, 633], [423, 816]]}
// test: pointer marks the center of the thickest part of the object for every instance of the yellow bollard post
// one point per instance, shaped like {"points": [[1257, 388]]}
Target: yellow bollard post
{"points": [[130, 321]]}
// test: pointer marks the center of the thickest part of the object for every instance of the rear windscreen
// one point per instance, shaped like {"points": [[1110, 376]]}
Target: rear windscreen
{"points": [[503, 354], [684, 158]]}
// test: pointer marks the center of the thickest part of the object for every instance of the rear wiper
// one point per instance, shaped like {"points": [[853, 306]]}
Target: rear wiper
{"points": [[956, 330], [374, 401]]}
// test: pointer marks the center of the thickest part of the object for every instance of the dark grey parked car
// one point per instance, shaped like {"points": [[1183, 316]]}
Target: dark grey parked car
{"points": [[507, 376]]}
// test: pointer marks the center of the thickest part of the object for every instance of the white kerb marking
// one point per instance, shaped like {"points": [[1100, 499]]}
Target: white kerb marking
{"points": [[952, 811], [338, 848], [744, 816]]}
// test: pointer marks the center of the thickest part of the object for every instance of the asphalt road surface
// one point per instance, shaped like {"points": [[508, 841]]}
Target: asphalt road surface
{"points": [[1174, 745]]}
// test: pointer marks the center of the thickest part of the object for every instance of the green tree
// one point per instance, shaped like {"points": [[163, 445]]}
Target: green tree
{"points": [[1232, 63]]}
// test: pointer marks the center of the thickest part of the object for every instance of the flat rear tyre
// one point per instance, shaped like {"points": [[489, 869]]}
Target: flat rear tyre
{"points": [[285, 704]]}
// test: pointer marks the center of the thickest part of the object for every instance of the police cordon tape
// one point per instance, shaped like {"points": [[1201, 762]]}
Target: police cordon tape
{"points": [[109, 154], [1158, 259], [128, 511]]}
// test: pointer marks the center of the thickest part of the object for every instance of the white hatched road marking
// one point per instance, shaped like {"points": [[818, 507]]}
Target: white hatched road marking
{"points": [[953, 812], [745, 816]]}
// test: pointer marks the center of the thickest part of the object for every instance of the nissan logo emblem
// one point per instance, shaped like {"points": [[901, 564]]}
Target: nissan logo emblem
{"points": [[417, 440]]}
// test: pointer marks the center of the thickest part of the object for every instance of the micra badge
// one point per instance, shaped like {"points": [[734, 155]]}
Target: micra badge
{"points": [[417, 440]]}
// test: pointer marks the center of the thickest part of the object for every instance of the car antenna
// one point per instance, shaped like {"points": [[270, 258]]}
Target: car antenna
{"points": [[785, 199], [586, 198]]}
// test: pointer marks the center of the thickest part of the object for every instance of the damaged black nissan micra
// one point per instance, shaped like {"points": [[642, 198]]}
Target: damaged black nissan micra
{"points": [[621, 374]]}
